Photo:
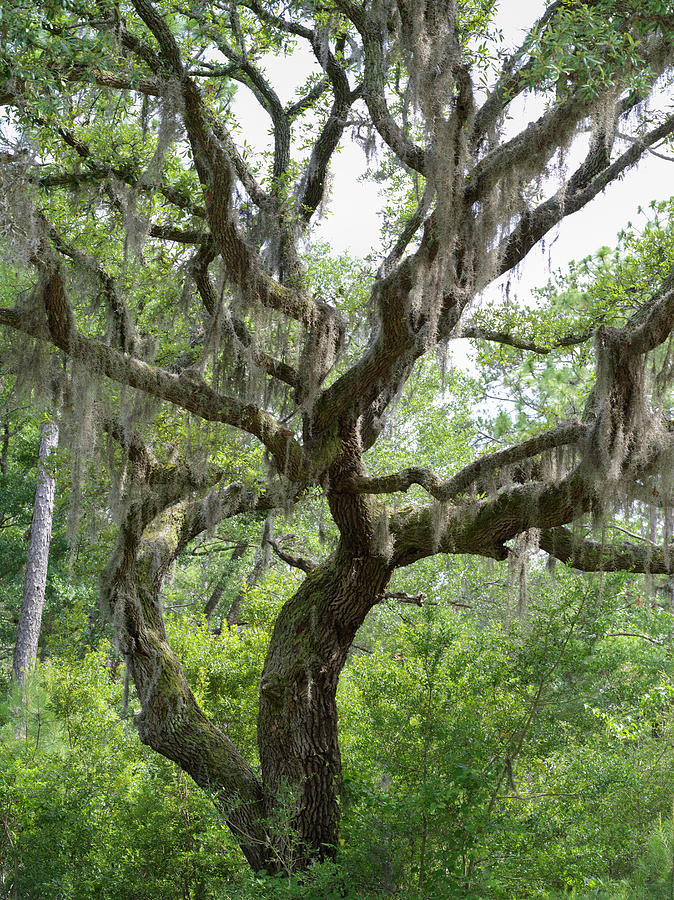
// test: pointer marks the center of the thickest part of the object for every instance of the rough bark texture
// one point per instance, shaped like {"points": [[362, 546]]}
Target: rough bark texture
{"points": [[297, 723], [170, 720], [30, 618]]}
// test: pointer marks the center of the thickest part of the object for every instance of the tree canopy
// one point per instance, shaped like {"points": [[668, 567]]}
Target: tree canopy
{"points": [[161, 274]]}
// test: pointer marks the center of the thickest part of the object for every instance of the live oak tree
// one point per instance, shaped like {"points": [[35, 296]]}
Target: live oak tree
{"points": [[153, 249]]}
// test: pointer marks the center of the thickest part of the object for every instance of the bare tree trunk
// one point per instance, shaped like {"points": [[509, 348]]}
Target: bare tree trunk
{"points": [[221, 584], [30, 619], [262, 563], [4, 448]]}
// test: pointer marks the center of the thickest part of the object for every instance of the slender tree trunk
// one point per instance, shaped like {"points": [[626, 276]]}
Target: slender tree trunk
{"points": [[30, 619], [221, 584], [262, 563], [4, 448]]}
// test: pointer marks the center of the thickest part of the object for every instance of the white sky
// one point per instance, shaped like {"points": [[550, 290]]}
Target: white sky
{"points": [[353, 223]]}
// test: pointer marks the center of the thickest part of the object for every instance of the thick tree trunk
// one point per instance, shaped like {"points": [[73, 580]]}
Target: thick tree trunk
{"points": [[290, 815], [171, 721], [30, 619], [173, 724], [297, 723]]}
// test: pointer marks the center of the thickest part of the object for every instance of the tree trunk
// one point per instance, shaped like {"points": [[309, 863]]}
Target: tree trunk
{"points": [[4, 448], [290, 815], [221, 584], [262, 563], [170, 720], [297, 723], [30, 619]]}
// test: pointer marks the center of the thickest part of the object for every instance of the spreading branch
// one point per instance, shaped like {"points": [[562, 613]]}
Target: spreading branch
{"points": [[561, 435], [297, 562], [478, 332], [588, 180], [187, 390], [609, 556]]}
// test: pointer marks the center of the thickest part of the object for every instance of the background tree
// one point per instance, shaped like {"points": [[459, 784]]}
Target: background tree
{"points": [[150, 246], [30, 618]]}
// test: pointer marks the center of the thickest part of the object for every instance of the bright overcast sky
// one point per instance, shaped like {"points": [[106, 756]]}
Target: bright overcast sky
{"points": [[353, 223]]}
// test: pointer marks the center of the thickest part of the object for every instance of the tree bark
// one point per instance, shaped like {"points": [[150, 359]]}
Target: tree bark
{"points": [[30, 619], [297, 726], [297, 722], [171, 721], [450, 249]]}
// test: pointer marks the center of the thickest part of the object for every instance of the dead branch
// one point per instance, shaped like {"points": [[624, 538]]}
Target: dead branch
{"points": [[298, 562], [404, 597]]}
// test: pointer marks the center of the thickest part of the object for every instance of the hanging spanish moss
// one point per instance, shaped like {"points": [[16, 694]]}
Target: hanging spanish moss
{"points": [[628, 432], [21, 228], [81, 429]]}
